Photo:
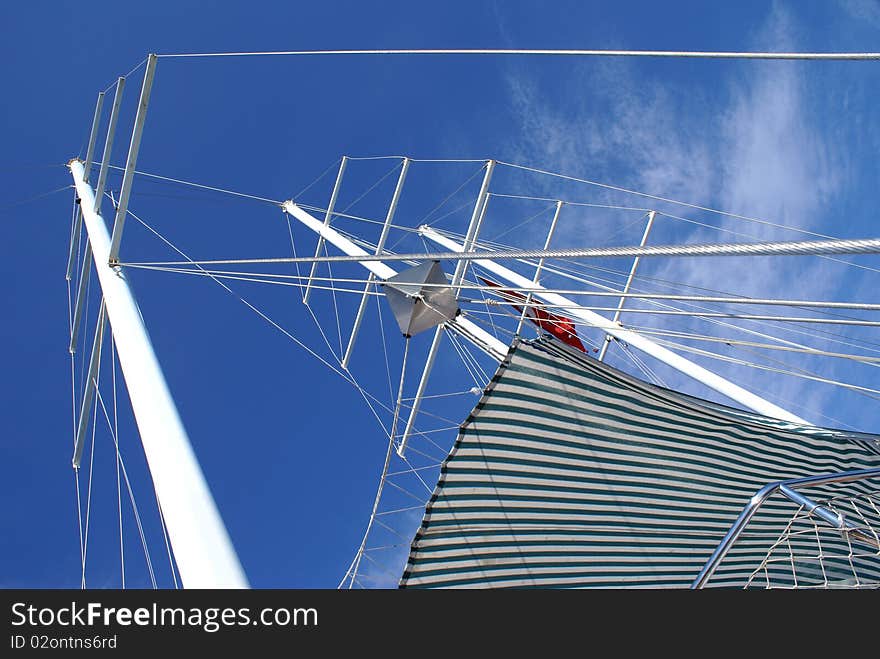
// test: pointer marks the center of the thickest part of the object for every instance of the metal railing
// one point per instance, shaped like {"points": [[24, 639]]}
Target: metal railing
{"points": [[788, 488]]}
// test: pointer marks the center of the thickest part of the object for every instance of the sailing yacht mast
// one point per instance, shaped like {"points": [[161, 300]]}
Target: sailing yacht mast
{"points": [[202, 548]]}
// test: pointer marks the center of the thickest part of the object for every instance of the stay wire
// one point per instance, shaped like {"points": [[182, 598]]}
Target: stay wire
{"points": [[118, 460], [134, 505], [769, 55]]}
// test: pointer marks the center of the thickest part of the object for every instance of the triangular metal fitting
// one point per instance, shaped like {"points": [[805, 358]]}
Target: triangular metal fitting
{"points": [[420, 298]]}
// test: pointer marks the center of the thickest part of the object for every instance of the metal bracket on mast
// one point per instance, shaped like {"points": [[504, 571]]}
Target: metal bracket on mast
{"points": [[629, 280], [392, 208], [327, 217], [716, 382], [131, 162]]}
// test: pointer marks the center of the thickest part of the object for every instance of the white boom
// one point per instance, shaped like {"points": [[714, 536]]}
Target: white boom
{"points": [[716, 382]]}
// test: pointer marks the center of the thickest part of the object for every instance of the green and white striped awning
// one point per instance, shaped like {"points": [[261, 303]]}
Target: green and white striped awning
{"points": [[570, 473]]}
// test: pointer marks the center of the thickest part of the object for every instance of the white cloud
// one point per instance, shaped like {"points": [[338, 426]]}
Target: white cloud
{"points": [[751, 148], [620, 125]]}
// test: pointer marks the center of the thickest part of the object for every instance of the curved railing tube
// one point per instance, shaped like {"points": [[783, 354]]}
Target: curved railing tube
{"points": [[788, 488]]}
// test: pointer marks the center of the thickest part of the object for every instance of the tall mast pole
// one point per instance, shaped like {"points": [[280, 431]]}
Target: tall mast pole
{"points": [[202, 548]]}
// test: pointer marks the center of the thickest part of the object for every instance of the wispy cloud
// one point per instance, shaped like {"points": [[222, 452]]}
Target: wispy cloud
{"points": [[613, 124], [752, 147]]}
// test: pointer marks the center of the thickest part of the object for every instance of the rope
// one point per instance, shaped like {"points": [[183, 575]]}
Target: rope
{"points": [[332, 165], [800, 373], [359, 218], [409, 471], [750, 235], [89, 487], [863, 306], [167, 544], [248, 304], [435, 160], [451, 195], [565, 203], [405, 491], [6, 207], [453, 339], [335, 309], [137, 516], [549, 52], [115, 82], [565, 272], [753, 344], [658, 198], [428, 489], [396, 416], [118, 460], [367, 396], [356, 562], [372, 187], [385, 349], [293, 251], [787, 248], [201, 186]]}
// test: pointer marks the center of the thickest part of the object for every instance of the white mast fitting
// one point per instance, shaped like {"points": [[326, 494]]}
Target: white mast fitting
{"points": [[202, 548], [716, 382]]}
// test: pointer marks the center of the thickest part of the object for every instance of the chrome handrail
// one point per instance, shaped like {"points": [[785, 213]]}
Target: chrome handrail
{"points": [[787, 488]]}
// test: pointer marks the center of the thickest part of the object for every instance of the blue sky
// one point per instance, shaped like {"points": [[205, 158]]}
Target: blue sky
{"points": [[291, 454]]}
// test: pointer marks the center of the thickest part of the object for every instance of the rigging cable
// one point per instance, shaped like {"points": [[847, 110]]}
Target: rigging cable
{"points": [[542, 52], [137, 516], [118, 459]]}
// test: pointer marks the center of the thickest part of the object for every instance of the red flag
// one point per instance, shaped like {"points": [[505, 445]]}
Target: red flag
{"points": [[559, 326]]}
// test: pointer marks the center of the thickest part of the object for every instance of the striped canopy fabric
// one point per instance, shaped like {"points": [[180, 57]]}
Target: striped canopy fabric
{"points": [[569, 473]]}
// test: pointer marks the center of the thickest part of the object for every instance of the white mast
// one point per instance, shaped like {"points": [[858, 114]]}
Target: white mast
{"points": [[202, 548]]}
